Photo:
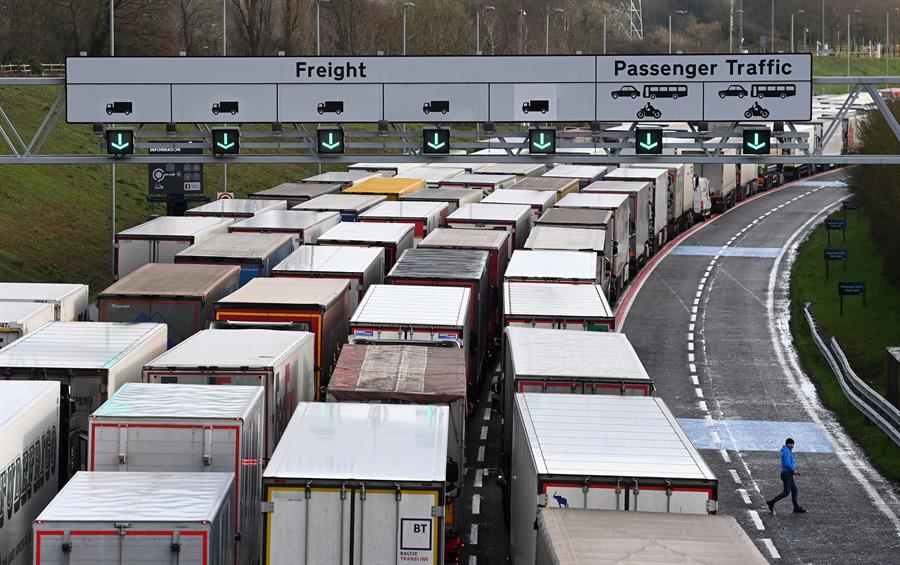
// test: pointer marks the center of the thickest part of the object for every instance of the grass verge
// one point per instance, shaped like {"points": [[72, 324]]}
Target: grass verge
{"points": [[863, 332], [827, 66]]}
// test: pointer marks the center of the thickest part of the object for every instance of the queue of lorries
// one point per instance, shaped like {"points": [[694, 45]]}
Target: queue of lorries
{"points": [[287, 378]]}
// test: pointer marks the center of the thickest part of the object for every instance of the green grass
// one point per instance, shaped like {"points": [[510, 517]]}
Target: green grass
{"points": [[859, 66], [863, 332]]}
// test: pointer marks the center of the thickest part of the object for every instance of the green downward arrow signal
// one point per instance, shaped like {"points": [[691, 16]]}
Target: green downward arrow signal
{"points": [[224, 143], [437, 143], [119, 144], [331, 144], [757, 144], [647, 144], [540, 143]]}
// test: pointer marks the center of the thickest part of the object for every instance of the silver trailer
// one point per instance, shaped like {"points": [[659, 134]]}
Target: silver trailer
{"points": [[561, 186], [575, 239], [574, 536], [383, 169], [454, 197], [573, 451], [659, 195], [29, 437], [538, 200], [121, 518], [484, 182], [70, 301], [18, 319], [91, 360], [160, 239], [584, 174], [255, 253], [295, 193], [431, 175], [575, 307], [188, 428], [302, 226], [514, 218], [236, 208], [394, 238], [281, 362], [681, 189], [358, 483], [344, 178], [573, 267], [349, 206], [580, 218], [181, 296], [426, 216], [641, 236], [361, 266], [517, 169]]}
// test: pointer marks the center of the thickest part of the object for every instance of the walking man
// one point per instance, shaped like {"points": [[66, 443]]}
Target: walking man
{"points": [[788, 470]]}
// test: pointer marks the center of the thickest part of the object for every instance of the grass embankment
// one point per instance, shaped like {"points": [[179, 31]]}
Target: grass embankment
{"points": [[859, 66], [863, 332]]}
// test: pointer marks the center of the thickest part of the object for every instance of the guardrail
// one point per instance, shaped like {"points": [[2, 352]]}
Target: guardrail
{"points": [[26, 69], [874, 406]]}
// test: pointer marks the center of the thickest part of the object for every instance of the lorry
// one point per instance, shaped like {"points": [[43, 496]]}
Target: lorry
{"points": [[29, 438], [302, 225], [573, 267], [360, 266], [567, 536], [345, 178], [391, 188], [281, 362], [181, 296], [538, 200], [160, 239], [514, 218], [808, 141], [560, 306], [659, 201], [641, 234], [584, 174], [236, 208], [425, 216], [580, 218], [18, 319], [703, 199], [518, 169], [320, 306], [431, 175], [255, 253], [486, 183], [349, 206], [383, 169], [560, 186], [69, 301], [454, 197], [680, 189], [406, 374], [496, 243], [393, 238], [91, 360], [295, 193], [188, 428], [648, 465], [575, 239], [722, 180], [358, 482], [464, 268], [108, 518]]}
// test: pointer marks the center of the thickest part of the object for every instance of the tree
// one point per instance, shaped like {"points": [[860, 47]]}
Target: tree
{"points": [[253, 19]]}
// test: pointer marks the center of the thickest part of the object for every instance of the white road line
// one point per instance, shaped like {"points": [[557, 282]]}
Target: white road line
{"points": [[708, 421], [695, 380], [476, 504], [714, 435], [699, 293], [480, 453], [696, 301], [473, 560], [690, 336], [698, 392], [734, 476], [690, 346], [771, 547], [725, 456], [702, 405], [691, 357], [692, 367], [487, 472], [703, 281], [484, 430], [743, 492], [487, 414], [693, 317], [757, 521], [694, 308], [479, 474], [690, 327], [473, 535]]}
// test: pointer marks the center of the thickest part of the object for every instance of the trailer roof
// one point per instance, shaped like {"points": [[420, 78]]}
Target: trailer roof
{"points": [[237, 206], [555, 299], [141, 400], [18, 312], [111, 496], [16, 396], [386, 185], [39, 292], [571, 239], [518, 169], [185, 226], [340, 177], [346, 440], [172, 279], [369, 232], [284, 220], [453, 264], [588, 217], [241, 245], [594, 200], [576, 171], [330, 259], [546, 182], [223, 349], [606, 537], [613, 186], [292, 190], [408, 373], [405, 304], [490, 212], [342, 202], [288, 291], [528, 197], [77, 345], [404, 209], [637, 173], [444, 194], [478, 178], [461, 238], [604, 435], [431, 174], [552, 265], [397, 166]]}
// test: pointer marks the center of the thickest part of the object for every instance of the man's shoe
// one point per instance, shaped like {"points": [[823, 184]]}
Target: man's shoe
{"points": [[771, 507], [799, 510]]}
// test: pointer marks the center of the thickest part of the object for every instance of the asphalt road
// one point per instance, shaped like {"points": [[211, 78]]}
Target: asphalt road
{"points": [[710, 325]]}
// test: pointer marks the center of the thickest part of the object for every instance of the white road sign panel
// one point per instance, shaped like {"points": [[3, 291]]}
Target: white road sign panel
{"points": [[329, 103], [442, 102]]}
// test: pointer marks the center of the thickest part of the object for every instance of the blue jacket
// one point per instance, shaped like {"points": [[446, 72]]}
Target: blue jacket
{"points": [[787, 459]]}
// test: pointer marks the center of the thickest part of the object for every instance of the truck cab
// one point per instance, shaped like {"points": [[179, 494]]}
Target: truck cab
{"points": [[702, 200]]}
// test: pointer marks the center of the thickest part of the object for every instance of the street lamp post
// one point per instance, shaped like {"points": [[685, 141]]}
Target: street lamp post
{"points": [[522, 14], [772, 31], [682, 12], [731, 28], [406, 6], [478, 28], [547, 30], [792, 28], [848, 43]]}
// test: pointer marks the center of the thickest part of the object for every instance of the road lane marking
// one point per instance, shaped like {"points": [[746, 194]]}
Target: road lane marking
{"points": [[771, 547], [714, 435], [757, 521], [699, 392], [487, 414], [484, 432], [479, 473], [702, 405], [695, 380], [691, 357], [692, 367], [744, 496], [473, 535], [725, 456], [480, 453], [690, 327], [690, 336], [734, 476], [473, 560], [693, 317], [690, 346], [476, 504]]}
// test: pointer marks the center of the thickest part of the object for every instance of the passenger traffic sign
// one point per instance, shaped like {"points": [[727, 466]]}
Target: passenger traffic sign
{"points": [[648, 141], [542, 141], [436, 141], [226, 141], [756, 142], [120, 142], [330, 141]]}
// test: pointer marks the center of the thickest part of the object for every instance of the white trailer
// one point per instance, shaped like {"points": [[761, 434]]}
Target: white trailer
{"points": [[160, 239], [573, 536], [18, 319], [188, 428], [426, 216], [29, 436], [572, 267], [553, 238], [722, 180], [432, 175], [514, 218], [345, 178], [302, 225], [559, 306], [394, 238], [383, 169], [573, 451], [91, 360], [282, 362], [349, 206], [454, 197], [641, 234], [517, 169], [236, 208], [584, 174], [295, 193], [681, 189], [116, 518], [538, 200], [70, 301], [483, 182], [358, 483], [361, 266], [559, 186], [659, 199]]}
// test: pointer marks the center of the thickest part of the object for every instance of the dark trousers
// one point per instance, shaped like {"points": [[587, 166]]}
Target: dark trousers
{"points": [[790, 488]]}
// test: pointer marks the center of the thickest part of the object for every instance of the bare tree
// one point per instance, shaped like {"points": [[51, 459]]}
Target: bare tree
{"points": [[254, 25], [297, 26], [196, 24]]}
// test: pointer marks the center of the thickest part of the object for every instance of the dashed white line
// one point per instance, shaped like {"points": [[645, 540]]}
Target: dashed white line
{"points": [[473, 560], [476, 504], [484, 431], [480, 453], [691, 357], [757, 521], [703, 281], [695, 380], [714, 435], [473, 535], [693, 317], [702, 405], [690, 346], [725, 456], [690, 336], [744, 496], [771, 547], [734, 476], [696, 301], [487, 414], [479, 477], [692, 367], [708, 421], [698, 392], [690, 327], [694, 308]]}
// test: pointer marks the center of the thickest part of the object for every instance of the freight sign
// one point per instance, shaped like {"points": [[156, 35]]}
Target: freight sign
{"points": [[574, 88], [648, 141]]}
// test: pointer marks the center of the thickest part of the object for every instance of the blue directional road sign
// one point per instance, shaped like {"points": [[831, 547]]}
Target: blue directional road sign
{"points": [[648, 141], [756, 142], [330, 141], [120, 142], [436, 141], [226, 141], [541, 141]]}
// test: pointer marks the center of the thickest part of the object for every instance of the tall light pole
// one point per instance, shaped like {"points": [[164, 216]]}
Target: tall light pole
{"points": [[772, 36], [112, 174], [406, 6], [792, 28], [848, 43], [318, 28], [682, 12], [478, 27], [887, 42], [823, 25], [547, 29], [731, 28], [522, 14]]}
